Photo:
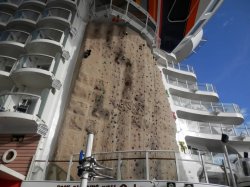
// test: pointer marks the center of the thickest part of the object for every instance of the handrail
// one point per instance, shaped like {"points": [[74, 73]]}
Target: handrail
{"points": [[206, 106], [179, 66], [214, 128], [140, 24], [119, 159], [190, 85]]}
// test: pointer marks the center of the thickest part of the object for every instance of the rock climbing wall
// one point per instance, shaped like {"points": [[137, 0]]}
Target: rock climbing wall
{"points": [[119, 96]]}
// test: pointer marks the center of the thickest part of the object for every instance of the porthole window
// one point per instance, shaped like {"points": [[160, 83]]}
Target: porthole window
{"points": [[9, 156]]}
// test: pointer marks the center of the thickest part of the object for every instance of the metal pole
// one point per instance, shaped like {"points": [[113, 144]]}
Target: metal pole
{"points": [[229, 165], [84, 180], [204, 167], [225, 170], [147, 166]]}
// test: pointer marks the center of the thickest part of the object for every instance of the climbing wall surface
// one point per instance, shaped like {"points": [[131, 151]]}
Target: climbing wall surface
{"points": [[119, 96]]}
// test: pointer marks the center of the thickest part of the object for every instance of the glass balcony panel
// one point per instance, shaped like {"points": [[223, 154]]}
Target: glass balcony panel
{"points": [[57, 12], [241, 131], [135, 14], [4, 17], [120, 3], [14, 36], [101, 4], [27, 14], [205, 129], [6, 63], [228, 129], [216, 129], [193, 127], [35, 61], [16, 102], [151, 26], [48, 34]]}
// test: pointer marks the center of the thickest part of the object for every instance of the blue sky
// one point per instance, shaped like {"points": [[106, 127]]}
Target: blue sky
{"points": [[224, 60]]}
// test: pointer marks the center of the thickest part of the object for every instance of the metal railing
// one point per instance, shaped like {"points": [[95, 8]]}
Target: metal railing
{"points": [[6, 63], [132, 13], [4, 17], [37, 61], [57, 12], [214, 128], [181, 67], [142, 165], [20, 102], [190, 85], [210, 107], [26, 14], [14, 36], [48, 34]]}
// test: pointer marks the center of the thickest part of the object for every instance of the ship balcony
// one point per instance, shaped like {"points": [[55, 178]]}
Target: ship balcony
{"points": [[12, 42], [56, 17], [9, 6], [184, 72], [69, 4], [127, 12], [18, 113], [4, 19], [6, 65], [24, 20], [207, 111], [35, 71], [192, 90], [46, 41], [214, 130], [37, 5]]}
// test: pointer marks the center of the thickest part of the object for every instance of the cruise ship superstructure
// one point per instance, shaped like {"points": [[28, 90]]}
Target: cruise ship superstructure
{"points": [[43, 44]]}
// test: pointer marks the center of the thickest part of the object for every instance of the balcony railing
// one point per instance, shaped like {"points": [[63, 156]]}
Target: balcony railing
{"points": [[215, 129], [66, 3], [181, 67], [4, 18], [190, 85], [6, 63], [58, 12], [14, 36], [11, 2], [26, 14], [206, 106], [48, 34], [19, 102], [38, 61], [132, 13], [142, 165]]}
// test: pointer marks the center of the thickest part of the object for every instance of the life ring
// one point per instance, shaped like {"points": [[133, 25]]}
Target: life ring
{"points": [[9, 156]]}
